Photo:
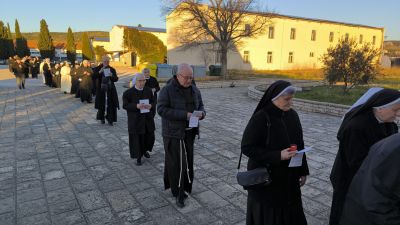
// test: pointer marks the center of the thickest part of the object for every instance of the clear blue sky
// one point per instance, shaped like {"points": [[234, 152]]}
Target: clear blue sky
{"points": [[84, 15]]}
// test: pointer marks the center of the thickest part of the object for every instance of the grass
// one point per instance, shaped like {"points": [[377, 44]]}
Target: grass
{"points": [[332, 94]]}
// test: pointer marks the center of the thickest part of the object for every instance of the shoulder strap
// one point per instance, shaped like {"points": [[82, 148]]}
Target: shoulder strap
{"points": [[268, 138]]}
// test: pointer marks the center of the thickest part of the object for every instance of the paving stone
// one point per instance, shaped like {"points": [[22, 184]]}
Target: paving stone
{"points": [[7, 218], [40, 219], [30, 194], [168, 215], [150, 199], [68, 218], [91, 200], [61, 207], [7, 205], [101, 216], [60, 195], [32, 208], [121, 200]]}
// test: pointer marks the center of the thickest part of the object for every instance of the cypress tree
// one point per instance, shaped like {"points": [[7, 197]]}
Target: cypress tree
{"points": [[21, 45], [45, 42], [3, 45], [87, 51], [10, 42], [71, 49]]}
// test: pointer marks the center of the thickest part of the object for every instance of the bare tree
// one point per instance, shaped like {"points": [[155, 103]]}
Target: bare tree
{"points": [[224, 22]]}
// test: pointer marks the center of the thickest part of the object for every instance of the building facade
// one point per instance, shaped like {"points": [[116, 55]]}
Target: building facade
{"points": [[288, 43]]}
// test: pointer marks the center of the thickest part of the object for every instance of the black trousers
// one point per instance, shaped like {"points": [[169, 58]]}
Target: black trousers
{"points": [[338, 199], [178, 171]]}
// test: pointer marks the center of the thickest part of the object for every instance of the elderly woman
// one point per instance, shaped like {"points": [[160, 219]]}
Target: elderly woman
{"points": [[272, 129], [66, 78], [368, 121], [139, 103]]}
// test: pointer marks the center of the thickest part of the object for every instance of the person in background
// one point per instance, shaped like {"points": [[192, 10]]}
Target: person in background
{"points": [[368, 121], [66, 78], [151, 83], [106, 93], [140, 118], [75, 71], [85, 86], [19, 72]]}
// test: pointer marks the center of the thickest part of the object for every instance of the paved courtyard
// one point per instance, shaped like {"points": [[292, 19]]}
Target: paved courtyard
{"points": [[58, 165]]}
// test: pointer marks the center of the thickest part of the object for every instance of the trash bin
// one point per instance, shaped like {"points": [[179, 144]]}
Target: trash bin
{"points": [[215, 70], [164, 71], [199, 71]]}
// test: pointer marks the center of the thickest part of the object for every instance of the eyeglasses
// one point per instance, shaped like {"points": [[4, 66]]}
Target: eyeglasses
{"points": [[186, 77]]}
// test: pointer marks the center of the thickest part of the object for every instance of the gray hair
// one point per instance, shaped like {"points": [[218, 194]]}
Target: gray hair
{"points": [[137, 75], [184, 66], [145, 70]]}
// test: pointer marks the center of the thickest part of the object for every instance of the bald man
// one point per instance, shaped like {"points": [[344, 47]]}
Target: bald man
{"points": [[178, 102]]}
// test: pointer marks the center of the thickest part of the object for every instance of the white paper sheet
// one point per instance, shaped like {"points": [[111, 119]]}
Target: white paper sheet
{"points": [[306, 149], [296, 160], [193, 121], [144, 101], [107, 72]]}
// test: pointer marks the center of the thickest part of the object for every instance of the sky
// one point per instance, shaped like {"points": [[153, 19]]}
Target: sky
{"points": [[85, 15]]}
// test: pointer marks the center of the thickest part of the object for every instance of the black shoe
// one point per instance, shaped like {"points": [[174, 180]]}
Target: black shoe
{"points": [[110, 123], [180, 202], [146, 154], [103, 121], [139, 162]]}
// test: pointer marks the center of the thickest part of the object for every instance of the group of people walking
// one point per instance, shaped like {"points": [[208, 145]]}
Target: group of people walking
{"points": [[365, 176], [22, 67]]}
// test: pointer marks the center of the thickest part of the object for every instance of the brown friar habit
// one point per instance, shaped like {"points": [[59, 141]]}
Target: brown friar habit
{"points": [[140, 125], [357, 133], [279, 203]]}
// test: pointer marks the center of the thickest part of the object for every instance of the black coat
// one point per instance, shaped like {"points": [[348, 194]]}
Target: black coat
{"points": [[171, 106], [153, 83], [112, 95], [138, 122], [18, 69], [285, 129], [362, 132], [374, 193]]}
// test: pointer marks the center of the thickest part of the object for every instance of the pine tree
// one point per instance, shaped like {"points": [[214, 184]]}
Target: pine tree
{"points": [[10, 42], [45, 42], [87, 51], [71, 49], [21, 45]]}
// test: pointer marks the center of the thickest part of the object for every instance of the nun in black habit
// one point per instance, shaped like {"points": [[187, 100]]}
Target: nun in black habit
{"points": [[368, 121], [274, 120], [374, 193], [140, 124]]}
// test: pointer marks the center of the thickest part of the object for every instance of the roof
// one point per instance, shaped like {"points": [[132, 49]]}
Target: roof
{"points": [[57, 44], [104, 39], [148, 29], [276, 15]]}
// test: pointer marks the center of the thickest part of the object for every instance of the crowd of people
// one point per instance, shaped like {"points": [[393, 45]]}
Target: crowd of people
{"points": [[365, 176]]}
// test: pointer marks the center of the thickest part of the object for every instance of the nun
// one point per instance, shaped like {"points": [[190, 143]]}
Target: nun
{"points": [[138, 101], [368, 121], [373, 196], [272, 129]]}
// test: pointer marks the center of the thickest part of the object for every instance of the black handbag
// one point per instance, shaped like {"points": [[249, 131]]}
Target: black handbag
{"points": [[256, 178]]}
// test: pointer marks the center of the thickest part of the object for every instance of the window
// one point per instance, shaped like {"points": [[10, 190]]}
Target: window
{"points": [[292, 33], [346, 37], [271, 33], [373, 40], [269, 57], [331, 36], [246, 56], [361, 39], [311, 54], [313, 35], [290, 57], [247, 29]]}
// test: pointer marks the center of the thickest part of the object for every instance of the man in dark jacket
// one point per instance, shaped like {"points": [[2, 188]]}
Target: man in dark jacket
{"points": [[374, 193], [106, 92], [151, 83], [19, 72], [178, 103]]}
